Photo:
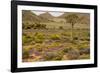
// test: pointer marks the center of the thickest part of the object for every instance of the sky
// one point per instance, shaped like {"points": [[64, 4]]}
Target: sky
{"points": [[55, 14]]}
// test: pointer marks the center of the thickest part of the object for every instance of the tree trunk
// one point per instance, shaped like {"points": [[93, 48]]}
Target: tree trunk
{"points": [[72, 32]]}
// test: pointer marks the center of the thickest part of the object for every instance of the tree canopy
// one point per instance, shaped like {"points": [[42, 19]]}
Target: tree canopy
{"points": [[72, 18]]}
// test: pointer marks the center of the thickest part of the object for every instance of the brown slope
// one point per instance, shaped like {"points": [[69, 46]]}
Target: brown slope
{"points": [[29, 16], [32, 17], [84, 18], [46, 15]]}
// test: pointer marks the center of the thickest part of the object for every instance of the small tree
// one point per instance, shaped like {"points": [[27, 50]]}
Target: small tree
{"points": [[72, 19]]}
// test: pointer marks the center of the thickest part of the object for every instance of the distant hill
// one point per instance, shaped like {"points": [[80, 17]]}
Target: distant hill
{"points": [[84, 18], [46, 15], [32, 17], [29, 16], [65, 15]]}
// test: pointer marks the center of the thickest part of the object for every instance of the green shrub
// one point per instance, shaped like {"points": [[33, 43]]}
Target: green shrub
{"points": [[55, 37], [25, 54], [38, 40], [83, 45], [39, 37], [65, 50], [25, 39], [66, 34]]}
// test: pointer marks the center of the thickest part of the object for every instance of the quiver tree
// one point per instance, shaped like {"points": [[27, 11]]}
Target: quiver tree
{"points": [[72, 19]]}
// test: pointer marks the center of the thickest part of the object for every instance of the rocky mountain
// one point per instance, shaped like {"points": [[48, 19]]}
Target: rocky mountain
{"points": [[84, 18], [32, 17], [46, 15], [29, 16]]}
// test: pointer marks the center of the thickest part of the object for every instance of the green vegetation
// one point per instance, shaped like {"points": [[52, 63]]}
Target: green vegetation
{"points": [[55, 37], [72, 19], [50, 40]]}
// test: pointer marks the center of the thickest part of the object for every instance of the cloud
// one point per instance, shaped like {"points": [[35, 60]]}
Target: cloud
{"points": [[55, 14], [38, 12]]}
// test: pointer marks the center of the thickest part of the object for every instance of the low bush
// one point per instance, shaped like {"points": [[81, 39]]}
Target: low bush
{"points": [[38, 47], [27, 39], [85, 56], [55, 37], [84, 51], [61, 27], [53, 55], [75, 38], [48, 56], [73, 54], [25, 54], [65, 50], [39, 37], [65, 34]]}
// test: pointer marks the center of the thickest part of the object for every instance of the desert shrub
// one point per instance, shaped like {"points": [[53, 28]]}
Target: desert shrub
{"points": [[84, 51], [87, 39], [39, 37], [55, 37], [43, 26], [23, 25], [39, 47], [53, 55], [27, 26], [25, 54], [38, 40], [39, 26], [83, 45], [24, 34], [65, 34], [27, 47], [70, 53], [48, 56], [26, 39], [61, 27], [65, 50], [59, 55], [53, 45], [26, 51], [85, 56], [87, 34], [75, 38], [32, 43], [73, 54], [57, 58], [72, 46]]}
